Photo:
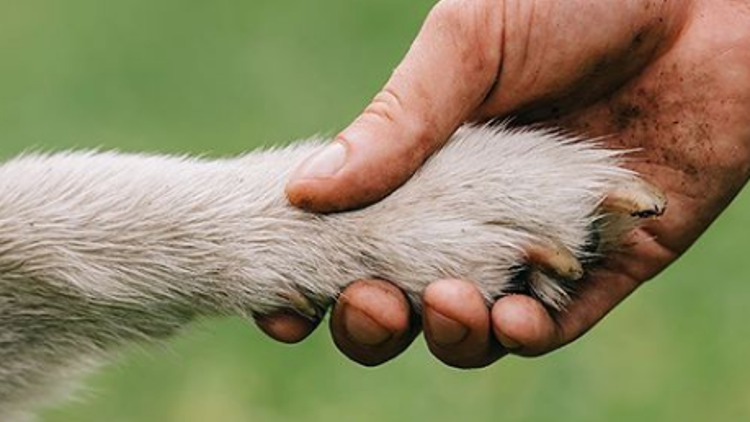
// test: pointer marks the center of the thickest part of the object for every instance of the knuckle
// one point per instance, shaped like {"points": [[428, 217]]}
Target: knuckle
{"points": [[386, 105], [476, 28], [392, 108]]}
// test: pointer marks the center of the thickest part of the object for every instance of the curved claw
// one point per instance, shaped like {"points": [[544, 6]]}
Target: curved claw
{"points": [[302, 304], [638, 199], [554, 259], [550, 291]]}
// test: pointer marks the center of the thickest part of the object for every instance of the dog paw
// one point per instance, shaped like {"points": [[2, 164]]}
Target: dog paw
{"points": [[512, 210], [551, 270], [515, 211]]}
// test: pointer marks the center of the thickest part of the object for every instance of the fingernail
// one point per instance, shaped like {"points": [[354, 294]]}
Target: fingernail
{"points": [[324, 163], [508, 343], [364, 330], [444, 331]]}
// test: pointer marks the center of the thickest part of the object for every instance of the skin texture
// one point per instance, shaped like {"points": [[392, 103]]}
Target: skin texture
{"points": [[670, 78]]}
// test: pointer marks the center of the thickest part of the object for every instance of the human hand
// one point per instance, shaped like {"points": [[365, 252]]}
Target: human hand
{"points": [[670, 78]]}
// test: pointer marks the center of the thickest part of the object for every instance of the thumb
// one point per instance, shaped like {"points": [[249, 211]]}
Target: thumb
{"points": [[445, 76]]}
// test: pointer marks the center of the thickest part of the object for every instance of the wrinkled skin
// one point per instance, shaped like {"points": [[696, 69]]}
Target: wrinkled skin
{"points": [[668, 77]]}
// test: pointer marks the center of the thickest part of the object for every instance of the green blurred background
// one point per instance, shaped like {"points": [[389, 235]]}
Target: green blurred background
{"points": [[225, 76]]}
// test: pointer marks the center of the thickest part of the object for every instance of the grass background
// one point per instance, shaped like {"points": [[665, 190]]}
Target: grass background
{"points": [[225, 76]]}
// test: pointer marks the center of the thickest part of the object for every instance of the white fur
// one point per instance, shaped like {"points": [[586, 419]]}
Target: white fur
{"points": [[98, 249]]}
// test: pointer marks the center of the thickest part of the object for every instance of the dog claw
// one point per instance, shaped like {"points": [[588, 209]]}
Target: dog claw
{"points": [[638, 199], [554, 259], [302, 304], [549, 291]]}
